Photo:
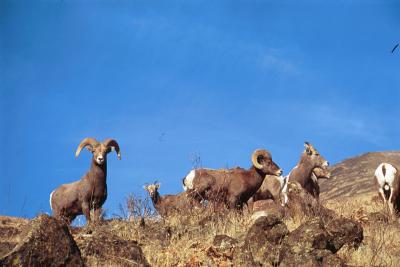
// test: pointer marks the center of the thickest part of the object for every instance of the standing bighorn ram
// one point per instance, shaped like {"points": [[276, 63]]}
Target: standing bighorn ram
{"points": [[387, 182], [90, 192], [231, 186]]}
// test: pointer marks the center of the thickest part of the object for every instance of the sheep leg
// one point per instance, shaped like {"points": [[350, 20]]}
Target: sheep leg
{"points": [[232, 203], [382, 195], [250, 204], [390, 202], [97, 215], [86, 210]]}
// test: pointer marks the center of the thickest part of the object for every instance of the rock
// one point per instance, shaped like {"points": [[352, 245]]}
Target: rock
{"points": [[224, 243], [102, 248], [314, 242], [307, 238], [332, 261], [264, 237], [10, 233], [303, 204], [242, 257], [344, 231], [46, 242], [299, 261], [222, 249], [318, 258], [267, 207]]}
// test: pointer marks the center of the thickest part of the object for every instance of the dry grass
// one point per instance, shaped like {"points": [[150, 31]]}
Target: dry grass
{"points": [[381, 232], [185, 239], [181, 239]]}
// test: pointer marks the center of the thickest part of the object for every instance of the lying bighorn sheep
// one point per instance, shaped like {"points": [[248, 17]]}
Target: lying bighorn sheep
{"points": [[387, 182], [89, 193], [231, 186], [275, 187], [167, 204]]}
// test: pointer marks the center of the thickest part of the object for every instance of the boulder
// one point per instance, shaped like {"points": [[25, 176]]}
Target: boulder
{"points": [[267, 207], [344, 231], [224, 243], [315, 242], [10, 233], [103, 248], [264, 238], [221, 251], [303, 204], [242, 257], [45, 241]]}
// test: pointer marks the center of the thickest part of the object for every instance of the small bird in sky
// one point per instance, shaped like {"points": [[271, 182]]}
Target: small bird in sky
{"points": [[161, 138], [394, 48]]}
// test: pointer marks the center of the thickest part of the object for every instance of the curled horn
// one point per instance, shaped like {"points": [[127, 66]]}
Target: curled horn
{"points": [[112, 143], [257, 154], [85, 142]]}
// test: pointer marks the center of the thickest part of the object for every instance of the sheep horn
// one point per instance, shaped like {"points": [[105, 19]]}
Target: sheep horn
{"points": [[256, 154], [112, 143], [86, 142]]}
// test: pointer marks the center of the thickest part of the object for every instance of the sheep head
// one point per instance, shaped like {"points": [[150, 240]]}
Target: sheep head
{"points": [[322, 173], [315, 158], [99, 150], [152, 188], [262, 160]]}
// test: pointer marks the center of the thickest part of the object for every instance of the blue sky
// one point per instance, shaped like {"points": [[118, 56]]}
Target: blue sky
{"points": [[175, 80]]}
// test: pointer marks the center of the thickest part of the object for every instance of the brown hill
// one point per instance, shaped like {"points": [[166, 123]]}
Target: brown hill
{"points": [[353, 177]]}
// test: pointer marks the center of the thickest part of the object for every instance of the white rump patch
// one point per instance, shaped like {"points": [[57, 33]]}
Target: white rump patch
{"points": [[259, 214], [188, 181], [385, 180], [51, 195]]}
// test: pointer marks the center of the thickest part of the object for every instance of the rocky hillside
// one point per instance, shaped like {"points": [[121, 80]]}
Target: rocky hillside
{"points": [[353, 177], [348, 229], [205, 238]]}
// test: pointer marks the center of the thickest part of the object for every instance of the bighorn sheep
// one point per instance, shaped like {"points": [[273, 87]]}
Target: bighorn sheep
{"points": [[302, 173], [275, 187], [90, 192], [231, 186], [167, 204], [387, 182]]}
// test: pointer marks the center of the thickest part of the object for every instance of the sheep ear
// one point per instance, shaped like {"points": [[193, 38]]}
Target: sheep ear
{"points": [[307, 147]]}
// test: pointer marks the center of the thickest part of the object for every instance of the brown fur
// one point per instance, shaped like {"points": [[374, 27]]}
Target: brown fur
{"points": [[167, 204], [89, 193], [309, 160], [271, 187], [232, 187]]}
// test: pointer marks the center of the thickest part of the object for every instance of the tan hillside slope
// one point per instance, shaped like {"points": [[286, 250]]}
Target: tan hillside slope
{"points": [[353, 177]]}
